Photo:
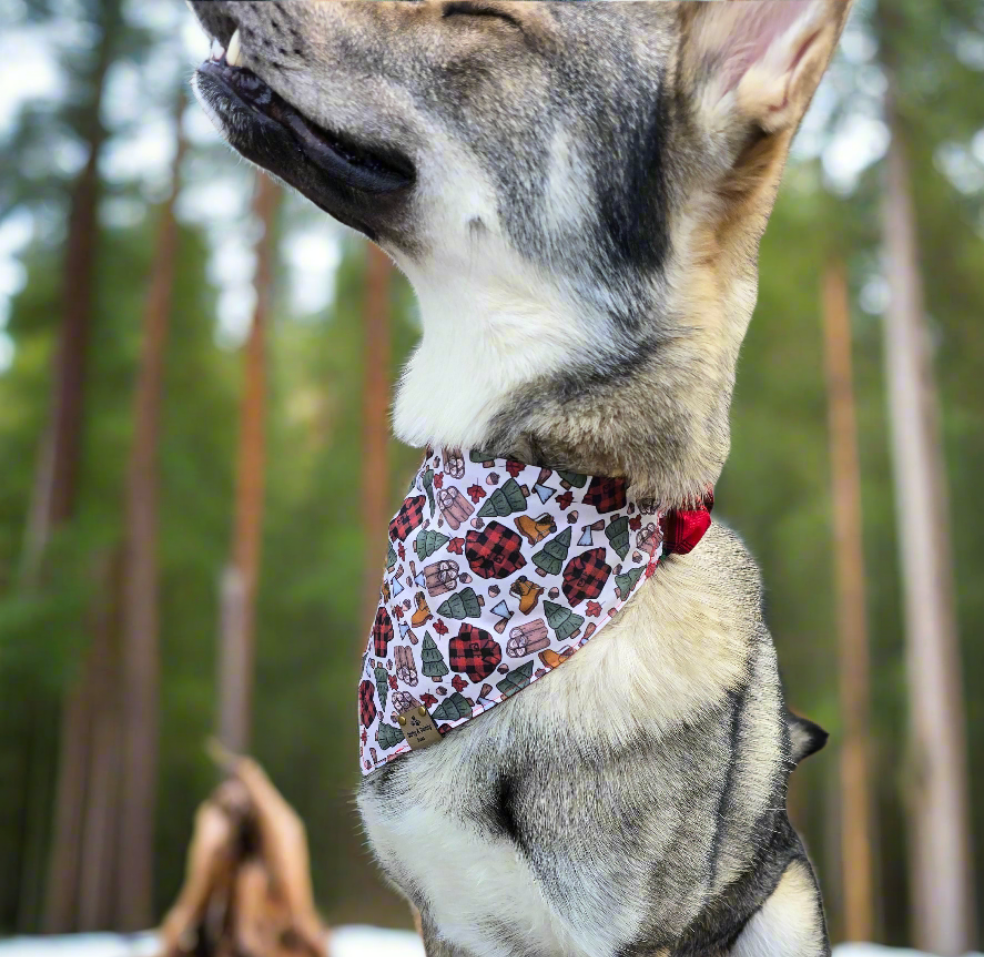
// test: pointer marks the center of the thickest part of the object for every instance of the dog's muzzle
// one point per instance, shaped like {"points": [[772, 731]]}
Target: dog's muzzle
{"points": [[348, 180]]}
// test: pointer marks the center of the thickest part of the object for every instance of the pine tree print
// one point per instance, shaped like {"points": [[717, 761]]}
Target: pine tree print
{"points": [[516, 680], [618, 534], [454, 708], [625, 583], [504, 501], [572, 479], [432, 661], [388, 736], [461, 605], [563, 621], [550, 559], [428, 480], [428, 542], [391, 558], [382, 685]]}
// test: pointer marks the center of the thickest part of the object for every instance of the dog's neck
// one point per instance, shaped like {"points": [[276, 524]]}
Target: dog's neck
{"points": [[519, 383]]}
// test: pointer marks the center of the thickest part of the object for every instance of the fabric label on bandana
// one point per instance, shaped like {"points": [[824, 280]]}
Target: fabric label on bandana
{"points": [[497, 572]]}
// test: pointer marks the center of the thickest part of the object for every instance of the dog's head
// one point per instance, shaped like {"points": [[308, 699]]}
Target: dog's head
{"points": [[575, 190]]}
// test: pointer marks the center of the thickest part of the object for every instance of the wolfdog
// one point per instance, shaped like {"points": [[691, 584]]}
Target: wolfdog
{"points": [[576, 192]]}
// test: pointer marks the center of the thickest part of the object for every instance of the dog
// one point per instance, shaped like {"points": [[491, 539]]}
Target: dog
{"points": [[576, 192]]}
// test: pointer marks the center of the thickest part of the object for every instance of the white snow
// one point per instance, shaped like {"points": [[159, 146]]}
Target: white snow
{"points": [[873, 950], [345, 942], [81, 945]]}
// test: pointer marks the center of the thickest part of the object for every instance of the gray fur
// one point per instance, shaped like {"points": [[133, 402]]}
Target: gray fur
{"points": [[581, 226]]}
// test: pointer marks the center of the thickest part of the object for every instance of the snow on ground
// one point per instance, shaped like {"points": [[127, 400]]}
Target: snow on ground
{"points": [[873, 950], [346, 942], [81, 945]]}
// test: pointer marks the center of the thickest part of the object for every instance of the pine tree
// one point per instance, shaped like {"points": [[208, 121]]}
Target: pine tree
{"points": [[563, 621], [428, 542], [453, 709], [516, 680], [461, 605], [391, 557], [573, 479], [433, 663], [618, 534], [428, 481], [550, 559], [382, 685], [504, 501], [625, 583], [388, 736]]}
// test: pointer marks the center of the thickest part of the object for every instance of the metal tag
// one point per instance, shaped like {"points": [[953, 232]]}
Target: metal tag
{"points": [[418, 728]]}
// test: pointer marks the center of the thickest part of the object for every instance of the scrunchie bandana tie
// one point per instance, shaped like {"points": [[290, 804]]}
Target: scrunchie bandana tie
{"points": [[498, 572]]}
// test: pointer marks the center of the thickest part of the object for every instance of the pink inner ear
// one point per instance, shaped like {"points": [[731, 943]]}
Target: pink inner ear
{"points": [[754, 26]]}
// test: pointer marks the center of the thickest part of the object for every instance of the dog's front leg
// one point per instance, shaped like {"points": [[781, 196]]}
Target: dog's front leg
{"points": [[791, 922]]}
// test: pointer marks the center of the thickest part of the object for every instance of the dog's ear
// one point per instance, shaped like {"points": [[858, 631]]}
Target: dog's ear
{"points": [[755, 64]]}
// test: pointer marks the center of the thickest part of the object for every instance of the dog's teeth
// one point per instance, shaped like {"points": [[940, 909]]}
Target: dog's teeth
{"points": [[234, 50], [218, 51]]}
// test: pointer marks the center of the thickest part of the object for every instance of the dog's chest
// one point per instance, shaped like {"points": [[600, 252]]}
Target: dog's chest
{"points": [[477, 891], [451, 850]]}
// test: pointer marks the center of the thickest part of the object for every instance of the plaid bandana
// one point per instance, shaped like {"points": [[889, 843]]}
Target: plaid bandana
{"points": [[497, 573]]}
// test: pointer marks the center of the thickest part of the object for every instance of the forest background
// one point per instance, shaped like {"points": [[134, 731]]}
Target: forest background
{"points": [[193, 443]]}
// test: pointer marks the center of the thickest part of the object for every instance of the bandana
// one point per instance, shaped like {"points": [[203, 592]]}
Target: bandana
{"points": [[497, 573]]}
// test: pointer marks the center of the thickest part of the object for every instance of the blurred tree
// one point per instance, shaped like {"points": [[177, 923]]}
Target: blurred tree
{"points": [[853, 656], [939, 789], [56, 482], [239, 582], [140, 613]]}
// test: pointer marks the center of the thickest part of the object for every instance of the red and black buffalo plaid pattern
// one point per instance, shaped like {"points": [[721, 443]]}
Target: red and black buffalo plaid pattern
{"points": [[410, 515], [606, 494], [475, 652], [382, 632], [494, 552], [682, 530], [367, 707], [586, 576]]}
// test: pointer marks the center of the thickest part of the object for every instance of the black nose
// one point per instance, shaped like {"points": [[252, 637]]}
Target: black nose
{"points": [[215, 18]]}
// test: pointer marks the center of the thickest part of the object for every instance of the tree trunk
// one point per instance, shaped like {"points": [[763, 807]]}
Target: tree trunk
{"points": [[56, 481], [940, 839], [239, 586], [853, 653], [139, 640], [99, 836], [375, 422]]}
